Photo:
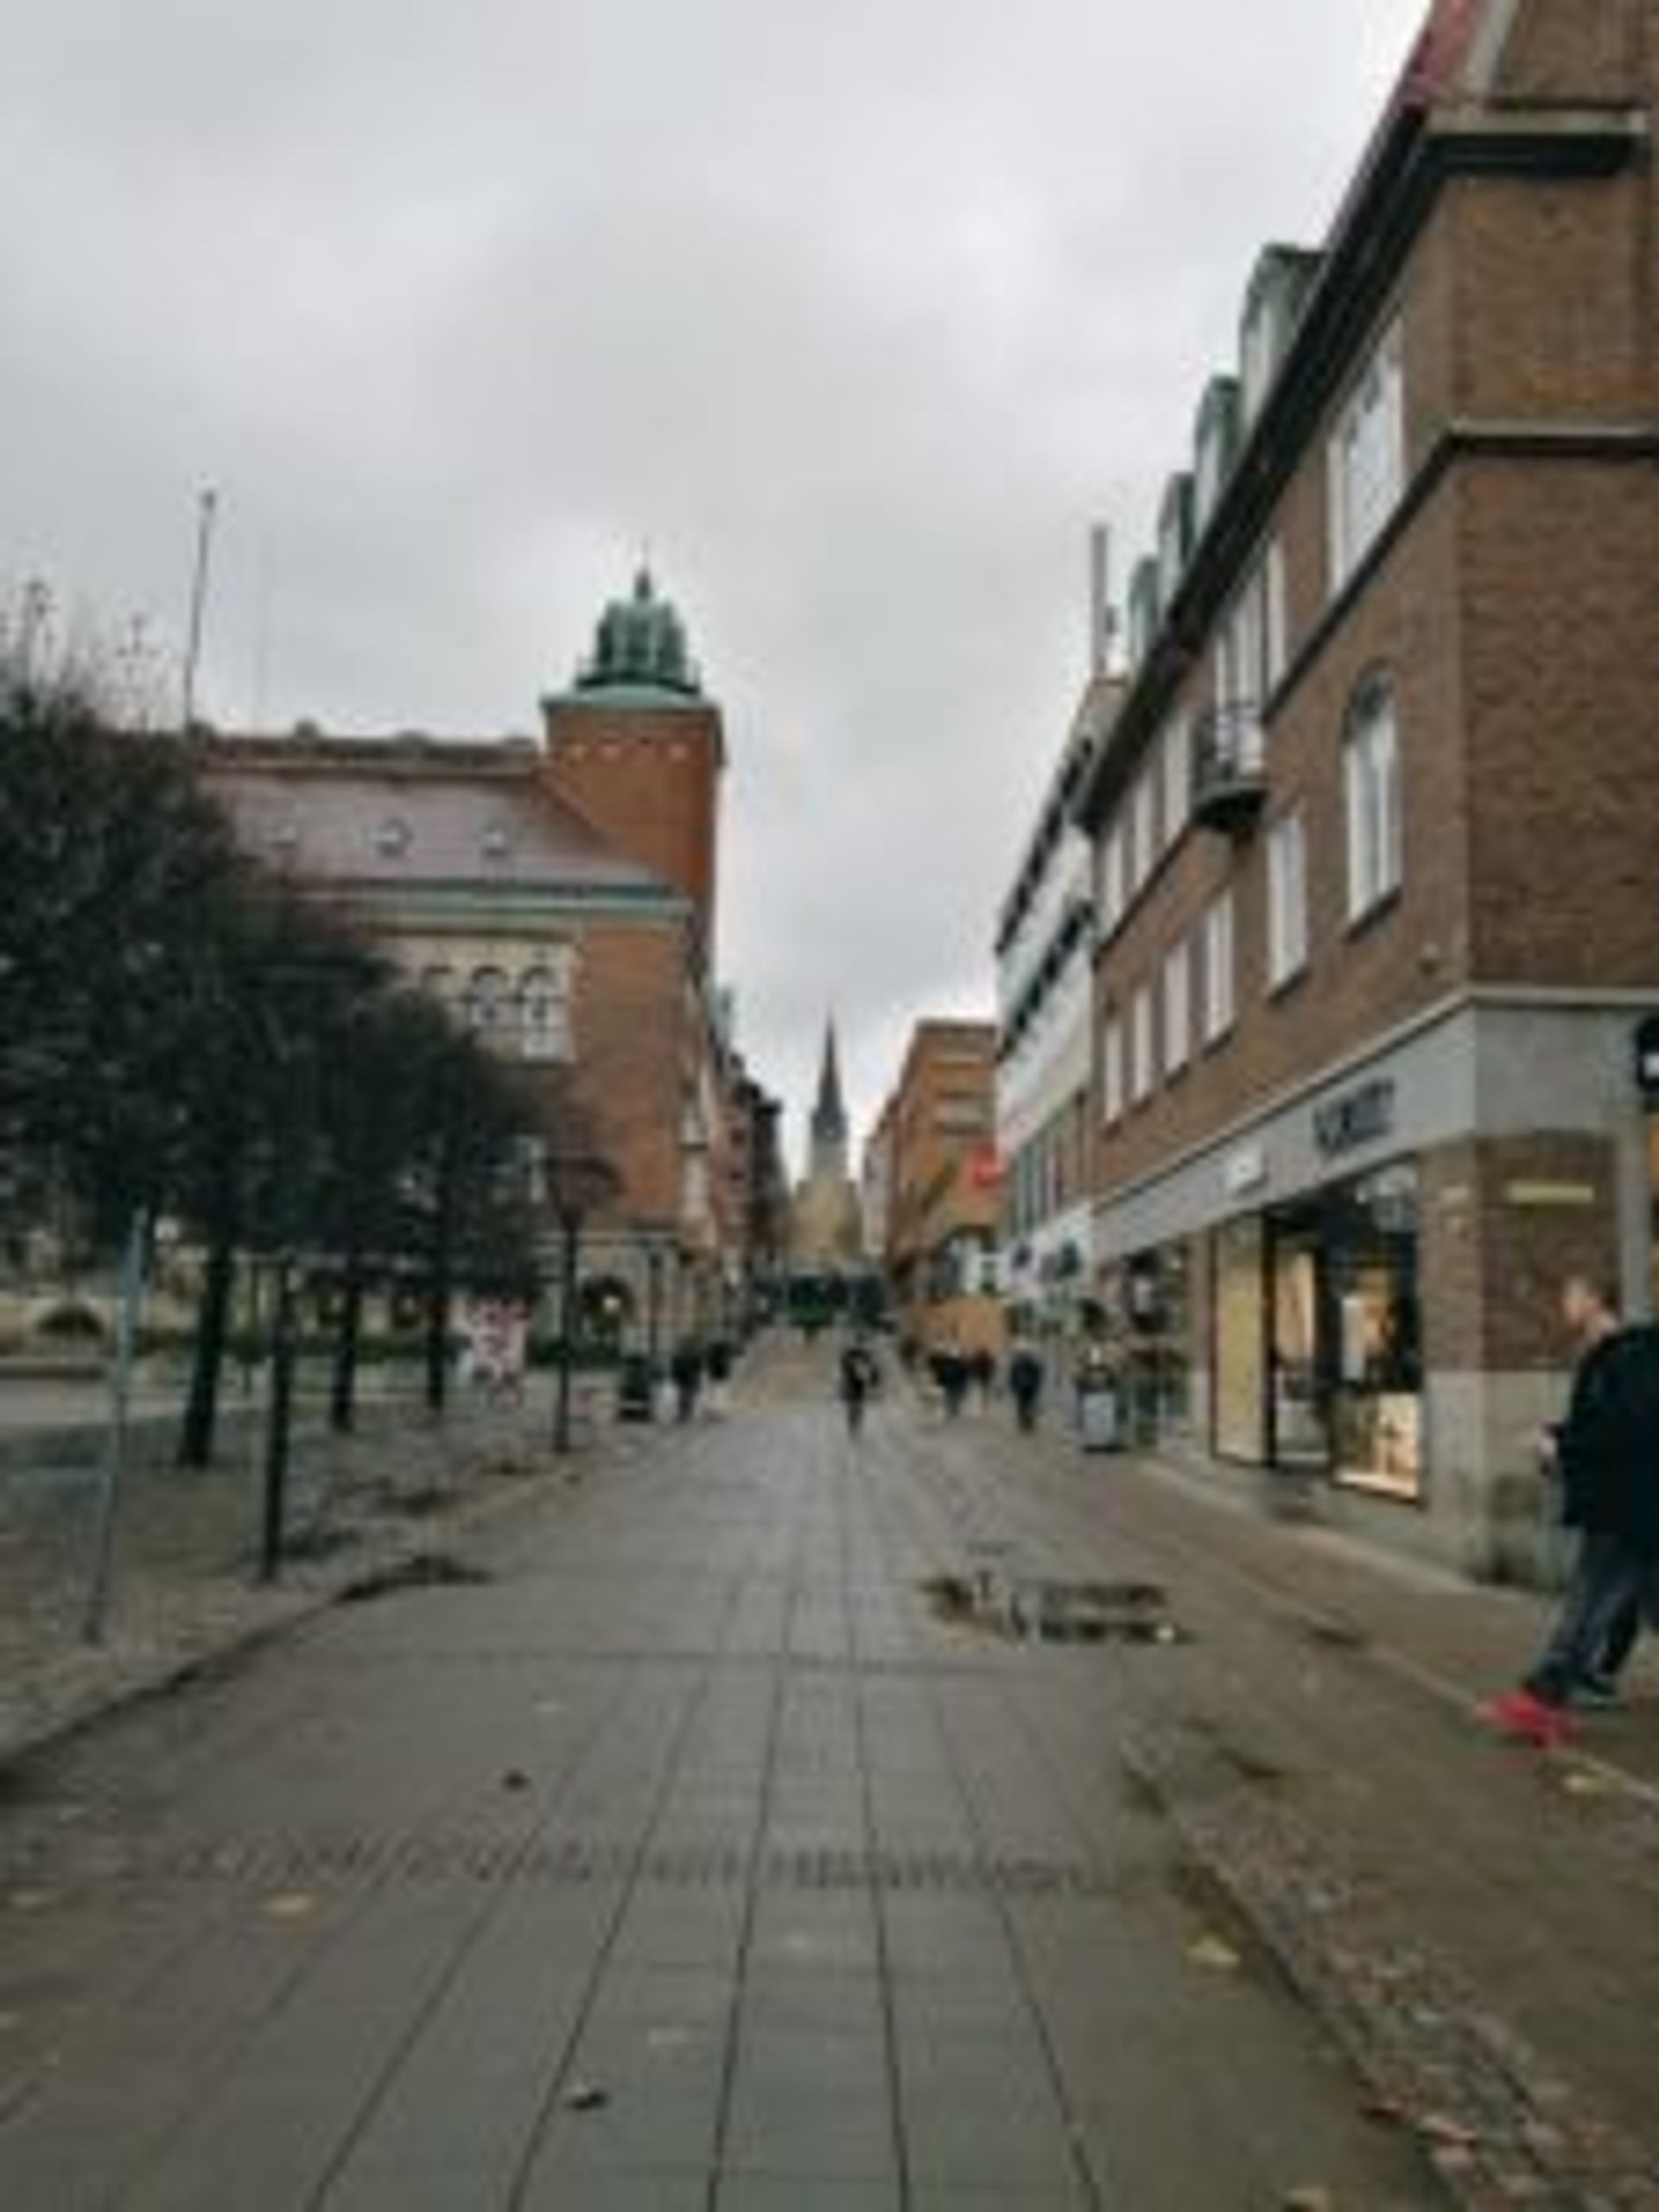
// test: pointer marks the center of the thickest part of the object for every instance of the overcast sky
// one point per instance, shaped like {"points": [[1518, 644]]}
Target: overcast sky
{"points": [[858, 313]]}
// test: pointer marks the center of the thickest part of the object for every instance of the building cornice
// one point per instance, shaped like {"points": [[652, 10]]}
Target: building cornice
{"points": [[1417, 154]]}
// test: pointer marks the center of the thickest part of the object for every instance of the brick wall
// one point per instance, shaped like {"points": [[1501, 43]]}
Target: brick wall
{"points": [[649, 779], [630, 1050]]}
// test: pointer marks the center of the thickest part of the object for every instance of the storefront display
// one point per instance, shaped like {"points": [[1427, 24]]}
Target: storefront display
{"points": [[1317, 1341], [1240, 1343]]}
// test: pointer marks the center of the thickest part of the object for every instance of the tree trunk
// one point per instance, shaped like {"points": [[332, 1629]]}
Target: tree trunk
{"points": [[438, 1337], [212, 1319], [342, 1407]]}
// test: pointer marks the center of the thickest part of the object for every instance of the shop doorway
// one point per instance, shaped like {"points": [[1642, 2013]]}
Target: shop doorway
{"points": [[1344, 1351], [1299, 1331]]}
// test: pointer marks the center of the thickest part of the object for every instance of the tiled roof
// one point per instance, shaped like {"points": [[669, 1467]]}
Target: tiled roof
{"points": [[381, 813]]}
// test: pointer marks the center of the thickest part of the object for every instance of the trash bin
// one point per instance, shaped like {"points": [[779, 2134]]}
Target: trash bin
{"points": [[1098, 1417]]}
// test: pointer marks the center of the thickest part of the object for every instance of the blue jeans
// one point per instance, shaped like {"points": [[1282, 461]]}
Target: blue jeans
{"points": [[1609, 1580]]}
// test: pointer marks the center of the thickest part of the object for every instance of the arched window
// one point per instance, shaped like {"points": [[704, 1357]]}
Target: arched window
{"points": [[1371, 789], [544, 1015], [487, 1003]]}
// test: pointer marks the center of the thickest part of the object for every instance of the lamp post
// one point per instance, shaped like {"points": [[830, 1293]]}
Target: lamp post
{"points": [[577, 1183]]}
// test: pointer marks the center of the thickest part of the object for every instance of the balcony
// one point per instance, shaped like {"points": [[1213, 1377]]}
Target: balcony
{"points": [[1230, 769]]}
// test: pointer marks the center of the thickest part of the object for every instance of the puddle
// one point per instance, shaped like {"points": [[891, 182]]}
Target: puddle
{"points": [[1037, 1610], [425, 1571]]}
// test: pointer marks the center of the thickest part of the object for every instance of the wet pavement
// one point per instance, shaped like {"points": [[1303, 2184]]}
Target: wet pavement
{"points": [[675, 1846]]}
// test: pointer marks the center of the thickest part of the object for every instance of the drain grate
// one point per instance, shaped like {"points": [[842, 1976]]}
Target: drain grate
{"points": [[365, 1861], [1028, 1608]]}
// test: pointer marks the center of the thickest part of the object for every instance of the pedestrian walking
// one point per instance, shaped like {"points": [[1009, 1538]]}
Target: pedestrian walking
{"points": [[717, 1369], [859, 1377], [687, 1371], [1607, 1452], [1025, 1383], [951, 1373], [982, 1367]]}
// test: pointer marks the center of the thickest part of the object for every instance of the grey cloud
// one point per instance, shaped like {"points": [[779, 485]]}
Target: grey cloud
{"points": [[858, 313]]}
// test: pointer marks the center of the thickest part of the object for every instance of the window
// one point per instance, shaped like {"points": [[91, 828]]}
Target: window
{"points": [[1143, 1071], [1111, 1069], [1143, 850], [1366, 460], [1275, 637], [1250, 646], [1261, 356], [1113, 890], [1287, 900], [1178, 1007], [487, 1002], [1371, 778], [1218, 968], [544, 1015], [1177, 777]]}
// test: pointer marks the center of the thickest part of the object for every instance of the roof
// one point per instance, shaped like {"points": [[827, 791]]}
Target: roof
{"points": [[381, 813]]}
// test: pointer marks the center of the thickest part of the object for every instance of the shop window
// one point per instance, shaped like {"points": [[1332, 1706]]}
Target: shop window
{"points": [[1371, 784], [1287, 900], [1240, 1406]]}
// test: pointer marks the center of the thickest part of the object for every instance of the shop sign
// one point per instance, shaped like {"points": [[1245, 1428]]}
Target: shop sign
{"points": [[1647, 1059], [1363, 1115], [1246, 1170]]}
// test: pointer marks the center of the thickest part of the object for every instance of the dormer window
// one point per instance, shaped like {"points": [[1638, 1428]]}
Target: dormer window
{"points": [[393, 838], [496, 841], [1174, 536], [1272, 307], [1216, 447]]}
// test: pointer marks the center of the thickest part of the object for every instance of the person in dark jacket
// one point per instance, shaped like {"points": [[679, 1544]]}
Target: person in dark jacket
{"points": [[1607, 1452], [687, 1371], [859, 1377], [1025, 1382]]}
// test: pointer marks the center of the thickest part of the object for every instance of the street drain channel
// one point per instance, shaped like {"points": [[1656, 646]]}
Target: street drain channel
{"points": [[342, 1862], [423, 1571], [1037, 1610]]}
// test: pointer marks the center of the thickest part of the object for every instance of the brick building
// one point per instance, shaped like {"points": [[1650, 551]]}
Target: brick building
{"points": [[943, 1187], [561, 896], [1376, 832]]}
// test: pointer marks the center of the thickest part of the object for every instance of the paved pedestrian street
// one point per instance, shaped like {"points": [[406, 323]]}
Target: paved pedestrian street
{"points": [[725, 1831]]}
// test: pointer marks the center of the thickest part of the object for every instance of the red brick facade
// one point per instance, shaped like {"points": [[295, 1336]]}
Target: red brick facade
{"points": [[1505, 608]]}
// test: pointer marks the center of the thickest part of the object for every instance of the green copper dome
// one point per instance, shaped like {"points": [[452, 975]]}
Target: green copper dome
{"points": [[641, 647]]}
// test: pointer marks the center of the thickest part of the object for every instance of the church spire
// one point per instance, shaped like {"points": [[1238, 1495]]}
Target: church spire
{"points": [[830, 1114]]}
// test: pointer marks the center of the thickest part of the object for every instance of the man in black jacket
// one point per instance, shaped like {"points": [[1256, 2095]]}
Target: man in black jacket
{"points": [[1608, 1454]]}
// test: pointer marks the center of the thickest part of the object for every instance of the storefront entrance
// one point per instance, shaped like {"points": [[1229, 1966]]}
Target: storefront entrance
{"points": [[1318, 1361]]}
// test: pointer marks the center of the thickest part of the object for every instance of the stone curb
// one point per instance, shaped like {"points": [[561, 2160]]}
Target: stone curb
{"points": [[1499, 2129]]}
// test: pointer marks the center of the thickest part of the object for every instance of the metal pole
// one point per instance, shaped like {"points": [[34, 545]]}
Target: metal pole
{"points": [[276, 1434], [115, 1465], [208, 509], [571, 1223]]}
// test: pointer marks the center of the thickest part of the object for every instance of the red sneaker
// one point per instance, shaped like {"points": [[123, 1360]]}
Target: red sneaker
{"points": [[1529, 1719]]}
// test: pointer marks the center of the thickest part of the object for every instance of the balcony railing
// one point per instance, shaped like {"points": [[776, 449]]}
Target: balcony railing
{"points": [[1230, 769]]}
